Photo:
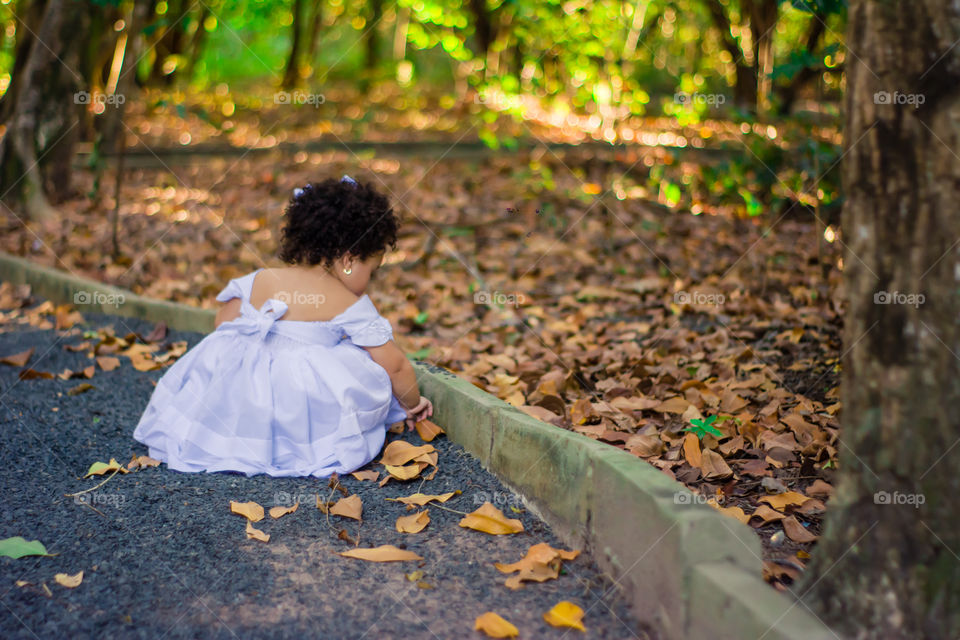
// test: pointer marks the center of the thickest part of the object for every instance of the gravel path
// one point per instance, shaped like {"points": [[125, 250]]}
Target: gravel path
{"points": [[165, 558]]}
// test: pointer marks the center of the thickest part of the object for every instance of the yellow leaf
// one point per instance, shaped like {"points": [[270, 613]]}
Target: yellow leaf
{"points": [[414, 523], [495, 626], [781, 500], [366, 475], [400, 452], [383, 553], [538, 553], [420, 499], [428, 430], [491, 520], [256, 534], [565, 614], [68, 581], [277, 512], [691, 450], [733, 512], [100, 468], [250, 510], [406, 472], [350, 507]]}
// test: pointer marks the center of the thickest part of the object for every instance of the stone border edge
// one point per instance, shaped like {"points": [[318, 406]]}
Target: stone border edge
{"points": [[686, 569]]}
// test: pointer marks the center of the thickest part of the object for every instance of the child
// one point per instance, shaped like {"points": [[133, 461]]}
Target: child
{"points": [[301, 376]]}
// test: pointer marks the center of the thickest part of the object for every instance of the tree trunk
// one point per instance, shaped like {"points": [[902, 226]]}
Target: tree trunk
{"points": [[292, 76], [745, 82], [372, 42], [37, 148], [887, 565]]}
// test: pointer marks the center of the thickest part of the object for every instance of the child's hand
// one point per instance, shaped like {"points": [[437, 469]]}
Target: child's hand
{"points": [[423, 410]]}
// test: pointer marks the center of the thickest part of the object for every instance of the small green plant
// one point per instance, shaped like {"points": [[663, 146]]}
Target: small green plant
{"points": [[703, 427]]}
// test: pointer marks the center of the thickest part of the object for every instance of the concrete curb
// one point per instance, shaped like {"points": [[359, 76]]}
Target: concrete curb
{"points": [[687, 569]]}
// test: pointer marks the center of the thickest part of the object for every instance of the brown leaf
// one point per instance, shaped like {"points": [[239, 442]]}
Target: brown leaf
{"points": [[80, 388], [366, 475], [108, 363], [383, 553], [421, 499], [796, 531], [256, 534], [782, 500], [644, 446], [351, 507], [68, 581], [428, 430], [491, 520], [713, 465], [250, 510], [18, 359], [414, 523], [675, 405], [766, 515], [734, 512], [30, 374], [819, 489], [691, 450], [279, 512], [400, 452]]}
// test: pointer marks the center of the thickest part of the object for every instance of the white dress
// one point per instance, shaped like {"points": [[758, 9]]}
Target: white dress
{"points": [[281, 397]]}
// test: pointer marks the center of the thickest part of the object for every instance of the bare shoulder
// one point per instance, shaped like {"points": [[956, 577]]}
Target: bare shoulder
{"points": [[308, 297]]}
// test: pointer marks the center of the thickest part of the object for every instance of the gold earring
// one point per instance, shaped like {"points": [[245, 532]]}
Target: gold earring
{"points": [[348, 271]]}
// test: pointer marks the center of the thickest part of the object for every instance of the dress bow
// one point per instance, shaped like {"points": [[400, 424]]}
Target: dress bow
{"points": [[264, 318]]}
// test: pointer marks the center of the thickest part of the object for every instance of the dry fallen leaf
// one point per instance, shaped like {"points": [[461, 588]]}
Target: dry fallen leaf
{"points": [[494, 626], [350, 507], [713, 466], [71, 582], [784, 499], [142, 462], [256, 534], [108, 363], [279, 512], [491, 520], [383, 553], [421, 499], [691, 450], [796, 531], [250, 510], [18, 359], [766, 515], [733, 512], [428, 430], [400, 452], [366, 475], [414, 523], [100, 468], [405, 472], [565, 614]]}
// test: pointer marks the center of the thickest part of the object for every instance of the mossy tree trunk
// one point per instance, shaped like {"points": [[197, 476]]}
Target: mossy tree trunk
{"points": [[888, 564]]}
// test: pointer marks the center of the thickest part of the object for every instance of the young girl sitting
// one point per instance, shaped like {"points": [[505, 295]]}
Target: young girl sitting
{"points": [[301, 376]]}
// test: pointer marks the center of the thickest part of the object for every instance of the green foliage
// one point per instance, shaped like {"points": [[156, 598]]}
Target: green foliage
{"points": [[703, 427]]}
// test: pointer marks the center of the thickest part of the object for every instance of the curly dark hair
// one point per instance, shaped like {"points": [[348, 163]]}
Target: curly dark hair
{"points": [[332, 218]]}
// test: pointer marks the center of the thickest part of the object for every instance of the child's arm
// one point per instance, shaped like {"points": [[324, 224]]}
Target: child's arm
{"points": [[229, 311], [404, 379]]}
